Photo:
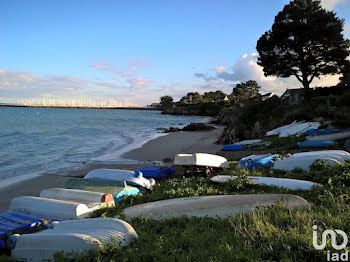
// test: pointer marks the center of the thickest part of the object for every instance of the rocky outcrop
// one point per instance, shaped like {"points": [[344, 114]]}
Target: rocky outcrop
{"points": [[190, 127]]}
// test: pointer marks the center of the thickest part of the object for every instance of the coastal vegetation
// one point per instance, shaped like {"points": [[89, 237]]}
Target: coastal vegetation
{"points": [[271, 233]]}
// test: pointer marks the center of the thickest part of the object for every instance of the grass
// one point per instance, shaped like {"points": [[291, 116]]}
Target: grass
{"points": [[269, 234]]}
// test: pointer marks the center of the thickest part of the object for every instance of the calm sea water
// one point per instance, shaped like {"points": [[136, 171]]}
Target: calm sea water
{"points": [[38, 140]]}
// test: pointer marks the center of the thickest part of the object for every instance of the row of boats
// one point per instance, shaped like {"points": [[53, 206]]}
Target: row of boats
{"points": [[314, 137], [71, 206]]}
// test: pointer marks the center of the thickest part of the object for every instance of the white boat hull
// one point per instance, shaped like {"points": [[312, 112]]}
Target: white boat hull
{"points": [[121, 175], [69, 236], [339, 153], [211, 206], [52, 208], [74, 195], [292, 184], [304, 163], [201, 159]]}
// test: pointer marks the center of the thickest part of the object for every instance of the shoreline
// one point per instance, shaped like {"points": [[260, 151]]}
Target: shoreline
{"points": [[154, 150]]}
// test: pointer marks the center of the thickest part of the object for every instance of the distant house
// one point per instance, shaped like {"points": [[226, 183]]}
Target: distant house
{"points": [[267, 96], [293, 96], [226, 98], [154, 105]]}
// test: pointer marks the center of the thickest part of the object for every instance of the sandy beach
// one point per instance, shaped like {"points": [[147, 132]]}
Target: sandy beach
{"points": [[155, 150]]}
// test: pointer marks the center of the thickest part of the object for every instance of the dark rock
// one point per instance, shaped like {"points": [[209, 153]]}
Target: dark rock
{"points": [[197, 127]]}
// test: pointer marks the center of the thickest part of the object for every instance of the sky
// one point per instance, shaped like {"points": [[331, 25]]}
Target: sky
{"points": [[134, 52]]}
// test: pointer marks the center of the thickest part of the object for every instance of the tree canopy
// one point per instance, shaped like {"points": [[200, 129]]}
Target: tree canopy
{"points": [[191, 98], [166, 102], [213, 96], [245, 91], [305, 41]]}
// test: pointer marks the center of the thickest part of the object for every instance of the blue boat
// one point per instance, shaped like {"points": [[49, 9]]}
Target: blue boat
{"points": [[232, 147], [316, 143], [255, 161], [18, 223], [317, 132], [156, 171]]}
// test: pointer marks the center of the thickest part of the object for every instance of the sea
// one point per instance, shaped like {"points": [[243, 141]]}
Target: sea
{"points": [[35, 141]]}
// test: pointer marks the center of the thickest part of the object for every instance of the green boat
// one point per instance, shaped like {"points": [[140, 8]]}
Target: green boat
{"points": [[117, 188]]}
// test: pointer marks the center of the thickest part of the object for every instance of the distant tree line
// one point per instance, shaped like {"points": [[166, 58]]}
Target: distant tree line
{"points": [[241, 93]]}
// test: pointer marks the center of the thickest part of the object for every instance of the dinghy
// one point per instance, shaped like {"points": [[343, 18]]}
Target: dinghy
{"points": [[201, 162], [316, 132], [18, 223], [81, 196], [294, 128], [212, 206], [304, 163], [156, 171], [118, 189], [292, 184], [255, 161], [232, 147], [72, 236], [130, 177], [52, 208], [320, 143], [201, 159], [340, 153], [342, 134]]}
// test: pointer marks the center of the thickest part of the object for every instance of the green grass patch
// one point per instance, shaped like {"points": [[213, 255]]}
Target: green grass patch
{"points": [[269, 234]]}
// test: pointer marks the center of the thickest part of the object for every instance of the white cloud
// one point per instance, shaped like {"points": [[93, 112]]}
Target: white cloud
{"points": [[246, 68], [134, 65], [220, 69], [138, 82], [330, 4], [346, 29], [103, 65]]}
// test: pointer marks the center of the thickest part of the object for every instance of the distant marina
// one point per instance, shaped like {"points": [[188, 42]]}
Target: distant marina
{"points": [[76, 103]]}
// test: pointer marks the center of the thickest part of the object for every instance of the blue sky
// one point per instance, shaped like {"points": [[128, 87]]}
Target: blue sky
{"points": [[135, 51]]}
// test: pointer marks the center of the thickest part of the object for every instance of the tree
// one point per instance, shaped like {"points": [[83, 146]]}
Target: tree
{"points": [[213, 96], [245, 91], [305, 41], [166, 102], [191, 98]]}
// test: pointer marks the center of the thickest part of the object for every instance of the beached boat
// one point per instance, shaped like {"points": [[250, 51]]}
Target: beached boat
{"points": [[118, 189], [19, 223], [239, 146], [341, 134], [80, 196], [232, 147], [316, 132], [130, 177], [255, 161], [72, 236], [294, 128], [292, 184], [319, 143], [304, 163], [201, 159], [156, 171], [211, 206], [340, 153], [52, 208], [201, 162]]}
